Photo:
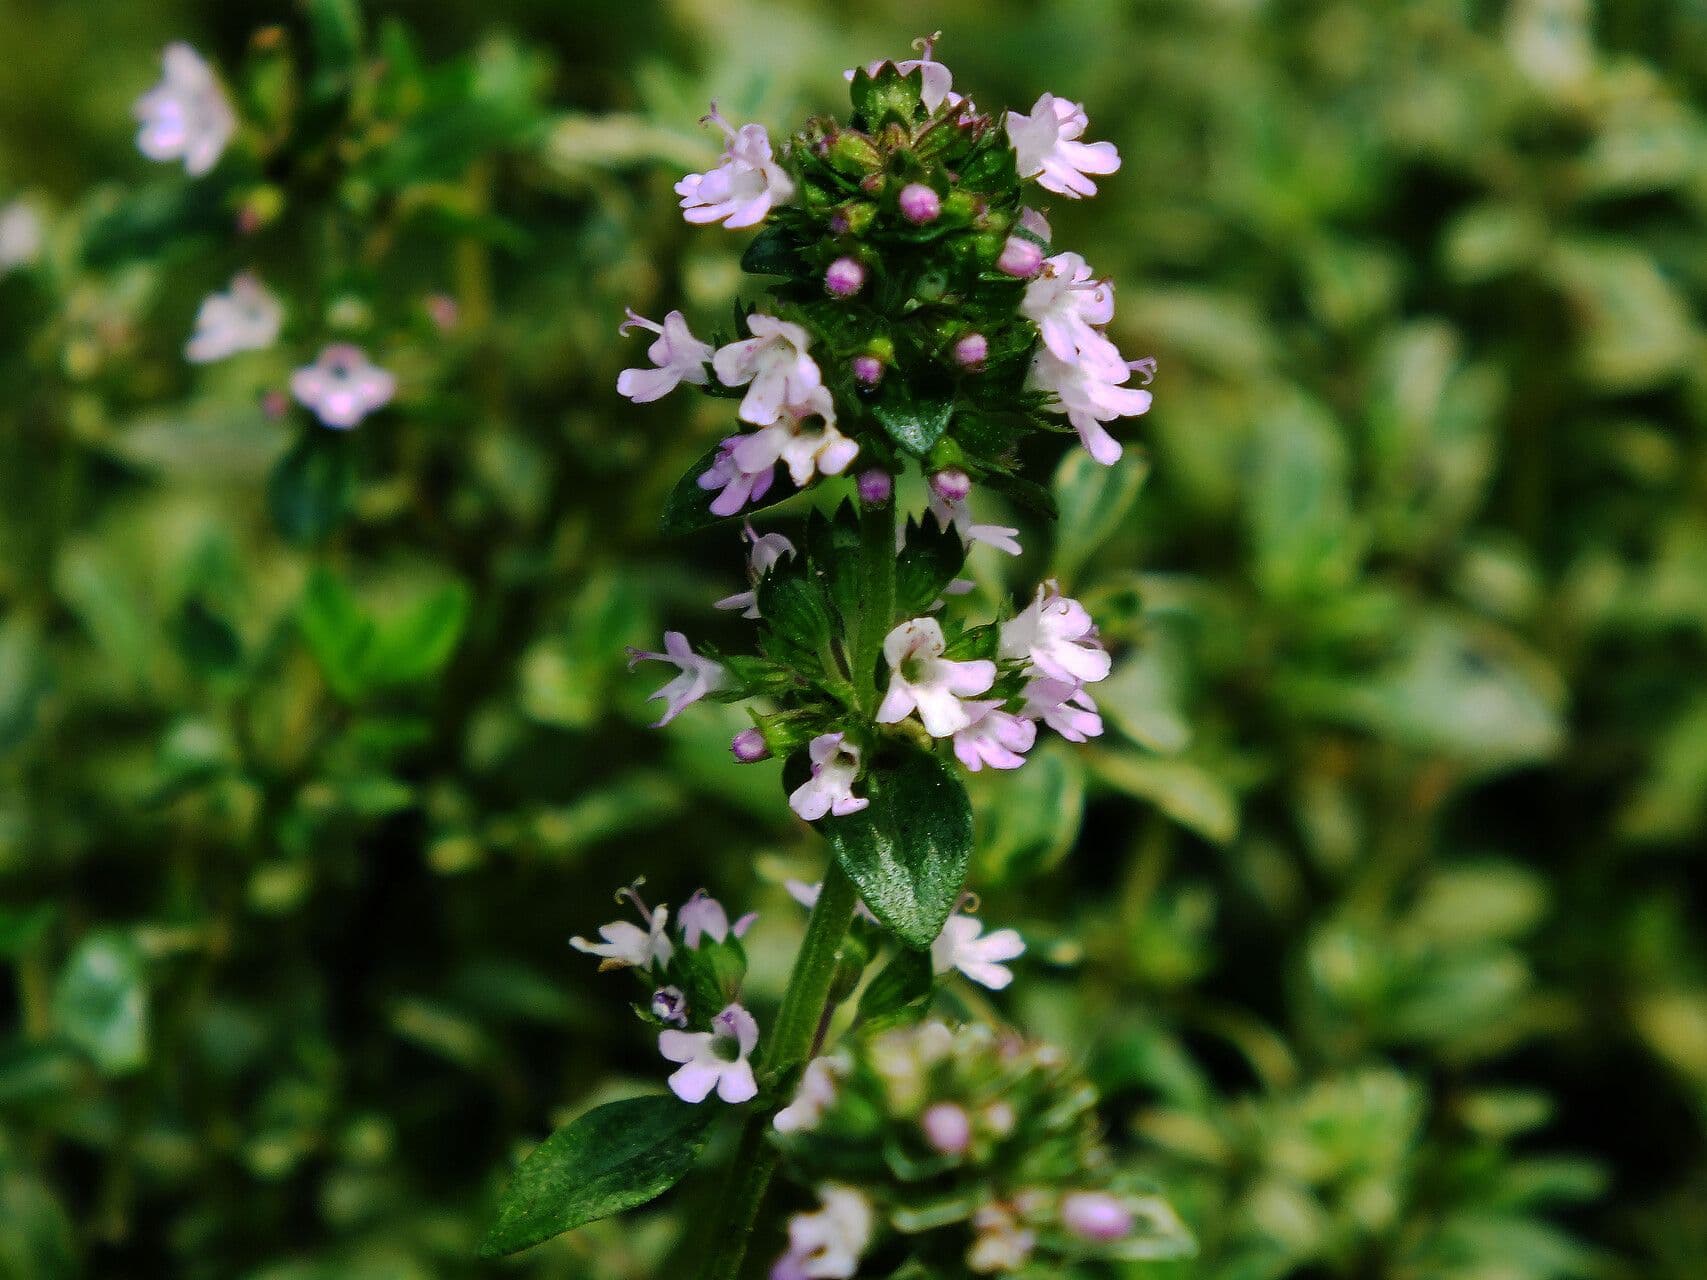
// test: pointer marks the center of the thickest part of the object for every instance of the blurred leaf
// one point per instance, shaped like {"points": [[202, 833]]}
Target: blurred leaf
{"points": [[311, 488], [1027, 818], [1093, 501], [1302, 533], [1185, 792], [101, 1002]]}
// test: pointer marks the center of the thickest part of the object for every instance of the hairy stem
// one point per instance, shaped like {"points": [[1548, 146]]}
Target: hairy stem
{"points": [[877, 596], [790, 1042]]}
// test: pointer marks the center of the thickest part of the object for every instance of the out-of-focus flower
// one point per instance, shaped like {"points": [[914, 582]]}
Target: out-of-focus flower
{"points": [[1096, 1216], [715, 1059], [1002, 1244], [921, 679], [960, 946], [816, 1091], [704, 916], [1047, 147], [187, 115], [679, 356], [741, 190], [699, 676], [246, 317], [20, 235], [835, 767], [343, 386], [827, 1244]]}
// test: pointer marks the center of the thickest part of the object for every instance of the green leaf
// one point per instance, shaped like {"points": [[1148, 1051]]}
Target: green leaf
{"points": [[1093, 501], [358, 652], [887, 95], [1300, 505], [687, 509], [773, 252], [613, 1158], [930, 558], [914, 424], [899, 992], [336, 631], [1186, 792], [907, 851], [101, 1002], [420, 640], [310, 490], [797, 620], [208, 642]]}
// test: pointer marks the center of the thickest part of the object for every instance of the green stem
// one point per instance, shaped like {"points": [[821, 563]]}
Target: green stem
{"points": [[877, 595], [788, 1044]]}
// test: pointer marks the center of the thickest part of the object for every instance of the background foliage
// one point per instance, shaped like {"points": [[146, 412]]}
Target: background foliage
{"points": [[1374, 915]]}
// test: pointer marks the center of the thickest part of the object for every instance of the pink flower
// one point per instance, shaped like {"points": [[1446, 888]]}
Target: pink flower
{"points": [[1055, 634], [960, 946], [679, 356], [804, 439], [343, 386], [835, 767], [1069, 305], [1047, 147], [947, 1128], [828, 1244], [959, 515], [715, 1059], [775, 363], [699, 676], [921, 679], [994, 738], [737, 487], [815, 1094], [187, 115], [704, 916], [768, 549], [1096, 1216], [740, 191], [1064, 706], [1090, 395]]}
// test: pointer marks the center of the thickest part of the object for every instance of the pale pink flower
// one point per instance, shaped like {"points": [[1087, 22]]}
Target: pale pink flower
{"points": [[958, 514], [921, 679], [1089, 398], [343, 386], [815, 1094], [715, 1059], [1069, 305], [804, 439], [1055, 634], [246, 317], [828, 1244], [767, 550], [21, 235], [775, 363], [187, 115], [679, 356], [1064, 706], [835, 767], [1096, 1216], [737, 487], [994, 738], [627, 945], [959, 946], [740, 191], [698, 675], [1047, 147], [704, 916]]}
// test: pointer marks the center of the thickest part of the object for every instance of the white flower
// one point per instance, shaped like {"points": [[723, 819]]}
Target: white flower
{"points": [[959, 946], [938, 80], [1047, 147], [959, 515], [815, 1094], [699, 676], [768, 549], [703, 915], [246, 317], [715, 1059], [343, 386], [827, 1245], [740, 191], [679, 355], [994, 738], [1055, 634], [1089, 399], [1068, 305], [775, 362], [1064, 706], [921, 678], [627, 945], [20, 235], [186, 116], [835, 766]]}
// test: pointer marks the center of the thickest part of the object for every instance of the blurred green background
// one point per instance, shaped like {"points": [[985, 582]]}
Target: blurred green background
{"points": [[1375, 913]]}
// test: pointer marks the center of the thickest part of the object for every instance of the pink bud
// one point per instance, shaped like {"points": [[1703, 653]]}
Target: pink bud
{"points": [[971, 351], [1096, 1216], [875, 486], [867, 370], [947, 1128], [919, 204], [748, 746], [443, 311], [275, 404], [845, 277], [1021, 258], [951, 484]]}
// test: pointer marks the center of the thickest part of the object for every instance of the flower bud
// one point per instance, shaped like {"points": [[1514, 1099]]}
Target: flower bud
{"points": [[749, 747], [670, 1005], [971, 351], [1096, 1216], [875, 486], [951, 484], [867, 370], [919, 204], [845, 277], [1021, 258], [947, 1128], [443, 311], [275, 404]]}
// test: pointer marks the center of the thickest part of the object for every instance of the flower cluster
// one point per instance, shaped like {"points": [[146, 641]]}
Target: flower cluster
{"points": [[188, 118], [971, 1150]]}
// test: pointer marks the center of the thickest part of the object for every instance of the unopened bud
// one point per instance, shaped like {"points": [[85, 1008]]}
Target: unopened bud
{"points": [[951, 484], [749, 746], [1021, 258], [919, 204], [443, 311], [845, 277], [670, 1005], [875, 486], [867, 370], [1096, 1216], [275, 404], [947, 1128], [971, 351]]}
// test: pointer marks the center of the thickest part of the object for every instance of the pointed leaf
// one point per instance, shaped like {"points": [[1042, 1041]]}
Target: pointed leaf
{"points": [[914, 424]]}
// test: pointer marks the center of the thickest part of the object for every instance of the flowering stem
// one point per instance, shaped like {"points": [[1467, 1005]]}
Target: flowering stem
{"points": [[790, 1043], [877, 595]]}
